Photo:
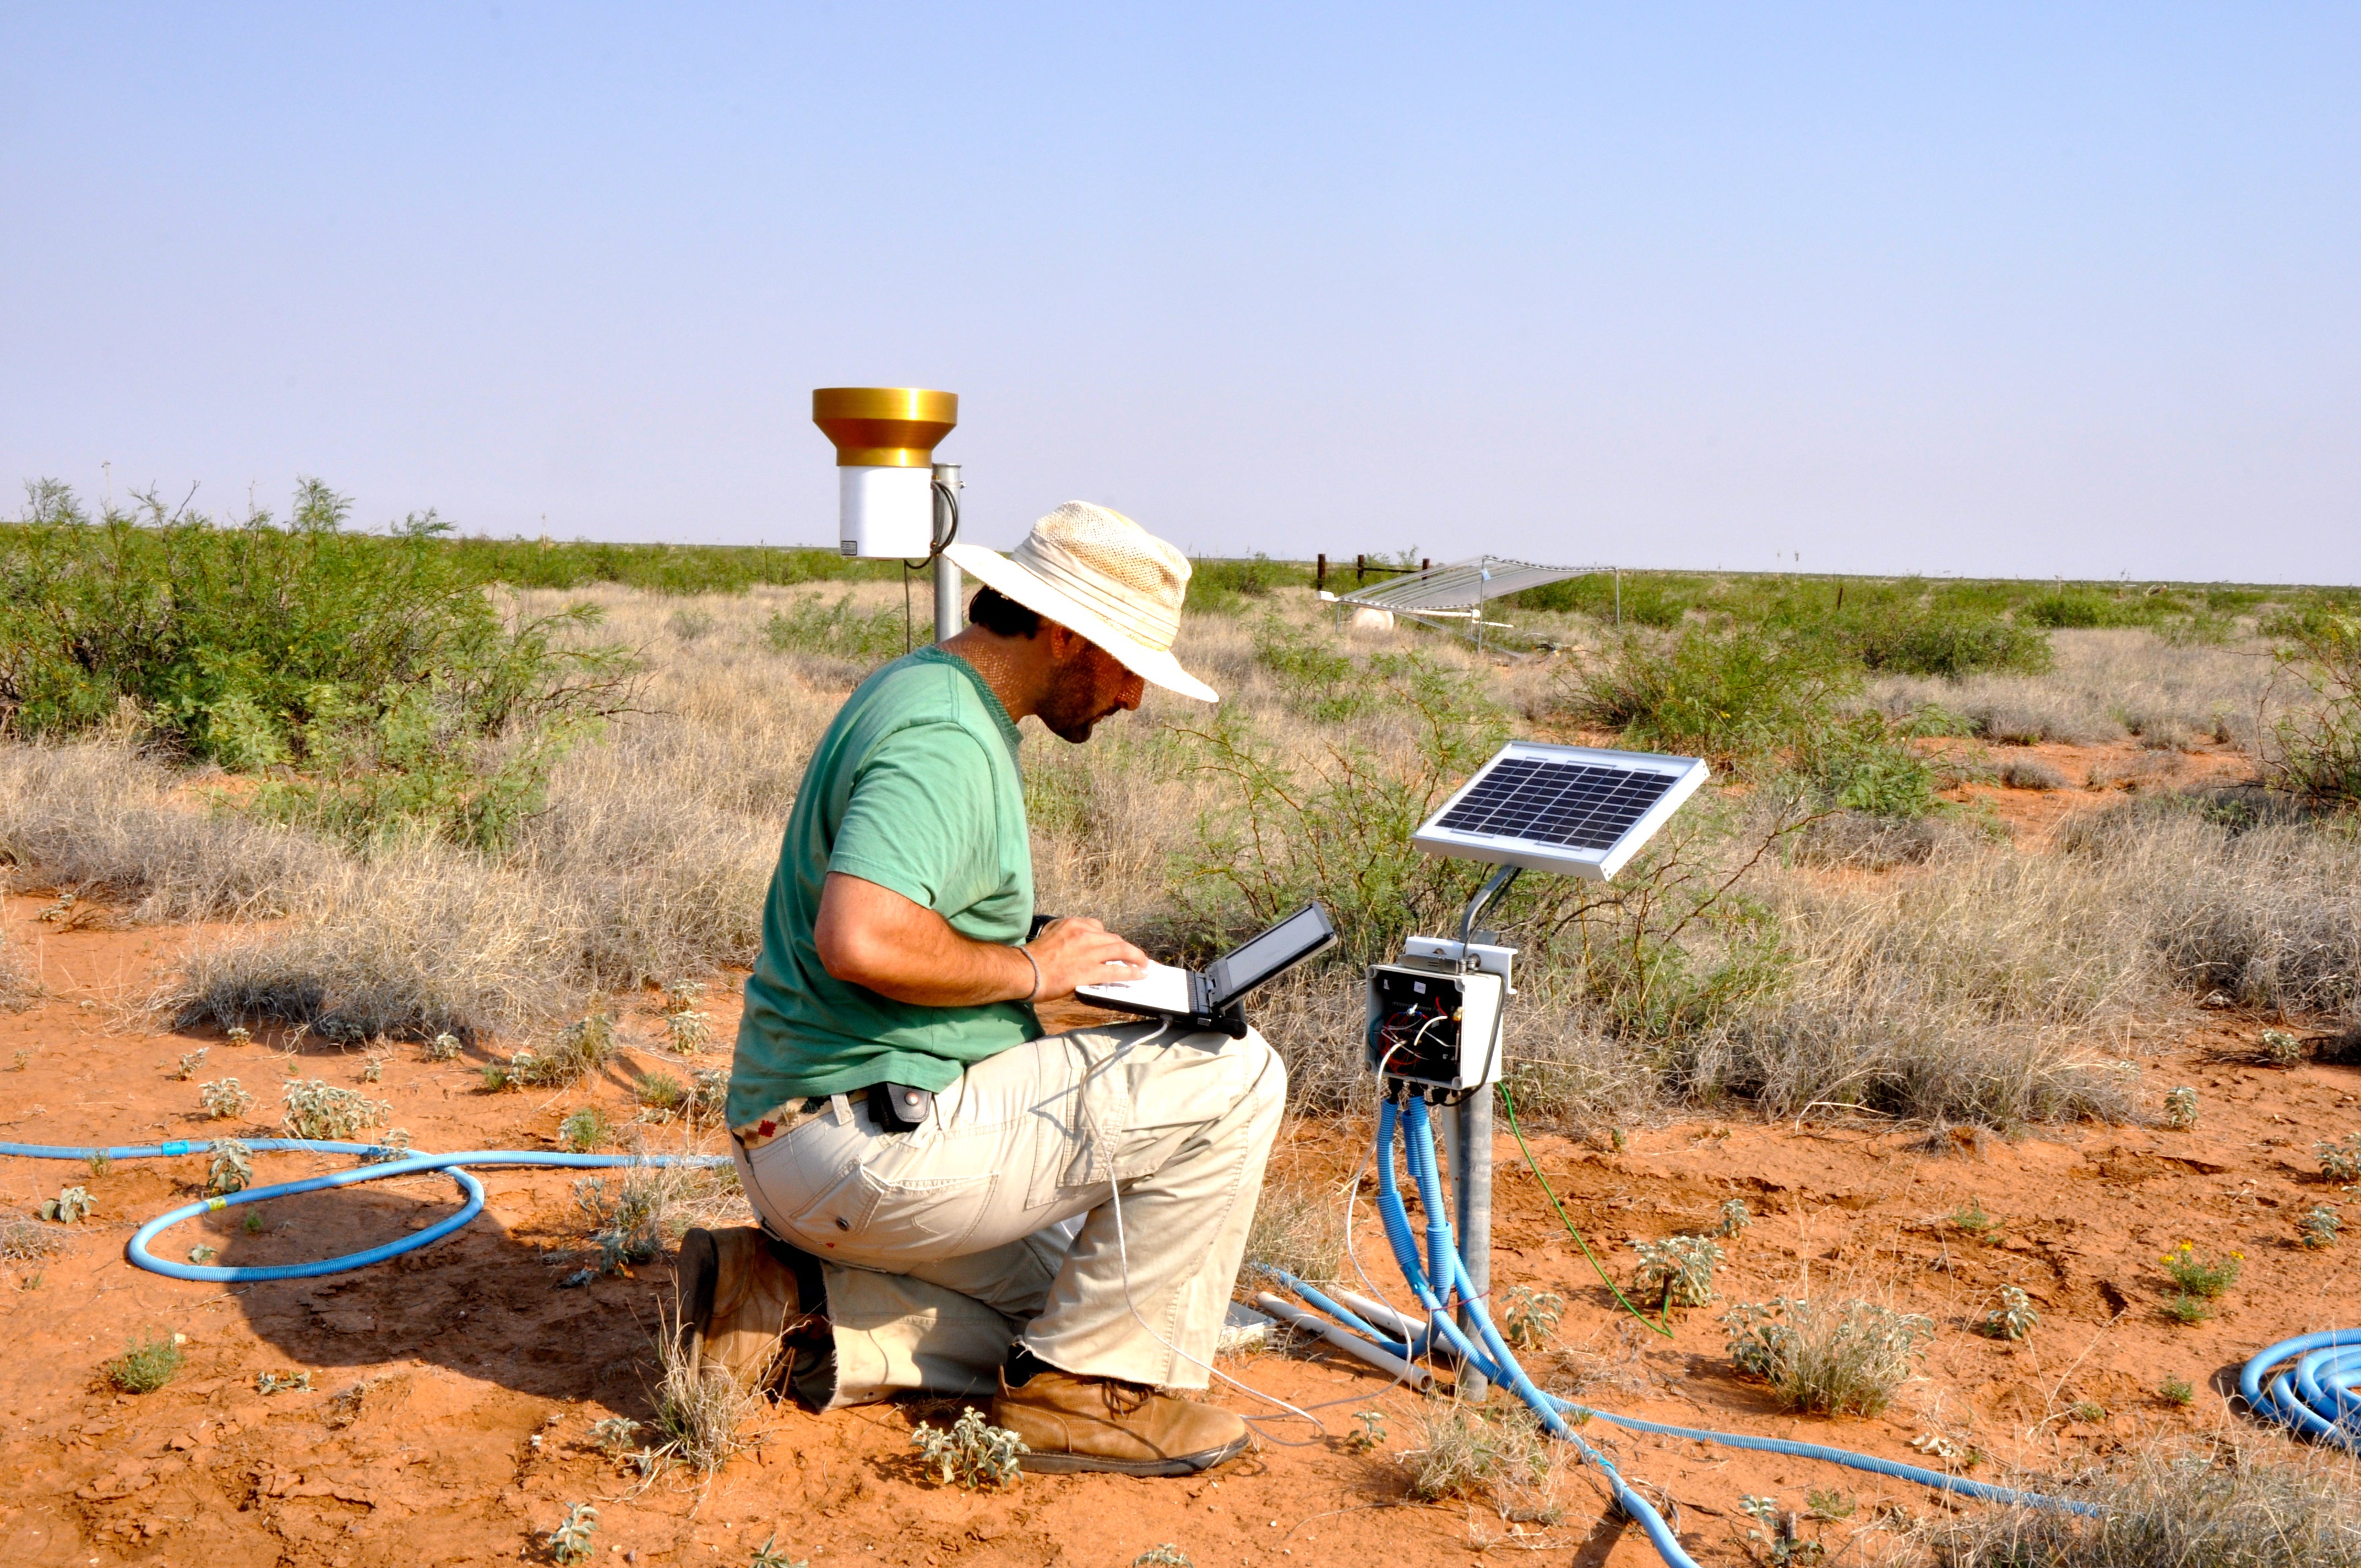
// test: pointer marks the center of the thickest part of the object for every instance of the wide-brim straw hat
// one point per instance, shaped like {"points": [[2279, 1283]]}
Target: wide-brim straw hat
{"points": [[1096, 572]]}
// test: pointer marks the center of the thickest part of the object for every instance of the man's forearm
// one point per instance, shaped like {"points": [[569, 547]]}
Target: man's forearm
{"points": [[872, 937]]}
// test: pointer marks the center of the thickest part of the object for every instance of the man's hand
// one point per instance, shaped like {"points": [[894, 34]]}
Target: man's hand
{"points": [[1077, 951], [872, 936]]}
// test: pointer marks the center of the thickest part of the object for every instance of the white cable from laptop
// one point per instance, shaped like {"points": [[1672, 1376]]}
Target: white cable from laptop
{"points": [[1100, 1143]]}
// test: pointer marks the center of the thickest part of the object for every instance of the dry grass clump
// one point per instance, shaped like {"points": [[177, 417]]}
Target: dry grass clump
{"points": [[18, 989], [2180, 1506], [1844, 1357], [28, 1241], [1297, 1228], [98, 816], [2030, 773], [702, 1411], [1958, 993], [2269, 917], [2106, 684], [1464, 1452]]}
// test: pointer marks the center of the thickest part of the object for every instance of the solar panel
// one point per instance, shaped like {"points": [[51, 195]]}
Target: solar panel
{"points": [[1573, 810]]}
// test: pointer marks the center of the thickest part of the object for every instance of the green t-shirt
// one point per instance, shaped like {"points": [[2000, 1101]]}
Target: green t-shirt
{"points": [[914, 787]]}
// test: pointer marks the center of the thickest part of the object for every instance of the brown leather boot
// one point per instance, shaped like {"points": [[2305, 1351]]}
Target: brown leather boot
{"points": [[738, 1304], [1103, 1423]]}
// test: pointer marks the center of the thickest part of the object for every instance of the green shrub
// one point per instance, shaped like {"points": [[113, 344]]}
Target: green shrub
{"points": [[2318, 742], [1644, 600], [1318, 679], [1339, 829], [1730, 696], [1215, 586], [1864, 764], [337, 655], [1933, 643], [811, 627]]}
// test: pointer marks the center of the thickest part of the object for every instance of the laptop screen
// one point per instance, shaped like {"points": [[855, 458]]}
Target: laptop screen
{"points": [[1290, 941]]}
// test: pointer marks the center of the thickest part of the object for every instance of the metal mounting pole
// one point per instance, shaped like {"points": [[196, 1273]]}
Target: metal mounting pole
{"points": [[1468, 1138], [1467, 1149], [947, 576]]}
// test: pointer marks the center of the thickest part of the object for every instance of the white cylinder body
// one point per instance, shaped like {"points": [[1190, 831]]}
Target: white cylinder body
{"points": [[885, 514]]}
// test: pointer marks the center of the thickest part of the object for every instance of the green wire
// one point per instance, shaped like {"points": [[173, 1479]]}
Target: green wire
{"points": [[1506, 1101]]}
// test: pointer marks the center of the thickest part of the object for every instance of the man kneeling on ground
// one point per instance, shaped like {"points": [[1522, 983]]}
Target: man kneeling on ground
{"points": [[937, 1176]]}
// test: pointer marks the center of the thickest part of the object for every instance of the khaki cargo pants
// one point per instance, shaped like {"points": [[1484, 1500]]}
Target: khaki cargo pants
{"points": [[993, 1221]]}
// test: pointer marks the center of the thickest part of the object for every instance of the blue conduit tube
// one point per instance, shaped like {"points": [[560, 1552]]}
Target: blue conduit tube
{"points": [[391, 1163], [1410, 1125], [2315, 1394]]}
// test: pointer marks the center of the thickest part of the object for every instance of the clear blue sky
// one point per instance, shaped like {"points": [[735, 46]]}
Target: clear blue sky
{"points": [[2025, 290]]}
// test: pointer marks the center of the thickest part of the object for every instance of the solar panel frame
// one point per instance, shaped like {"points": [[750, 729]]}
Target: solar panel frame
{"points": [[1586, 823]]}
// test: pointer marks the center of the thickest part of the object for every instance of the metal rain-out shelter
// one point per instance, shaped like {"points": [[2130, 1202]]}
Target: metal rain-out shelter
{"points": [[1452, 596]]}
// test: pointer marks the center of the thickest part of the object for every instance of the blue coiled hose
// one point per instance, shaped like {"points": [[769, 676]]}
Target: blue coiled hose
{"points": [[390, 1162], [2315, 1394], [1443, 1271]]}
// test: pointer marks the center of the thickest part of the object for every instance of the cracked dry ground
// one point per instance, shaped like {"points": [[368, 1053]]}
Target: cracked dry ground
{"points": [[452, 1391]]}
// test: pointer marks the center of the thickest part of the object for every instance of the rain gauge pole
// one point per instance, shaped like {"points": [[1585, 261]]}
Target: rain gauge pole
{"points": [[947, 576]]}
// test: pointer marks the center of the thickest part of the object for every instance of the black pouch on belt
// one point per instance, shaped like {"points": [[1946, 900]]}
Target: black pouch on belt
{"points": [[898, 1107]]}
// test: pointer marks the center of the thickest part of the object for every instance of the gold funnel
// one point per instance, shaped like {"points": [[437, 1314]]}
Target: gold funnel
{"points": [[883, 427]]}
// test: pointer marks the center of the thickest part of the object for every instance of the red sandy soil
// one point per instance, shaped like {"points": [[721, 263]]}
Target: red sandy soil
{"points": [[453, 1390]]}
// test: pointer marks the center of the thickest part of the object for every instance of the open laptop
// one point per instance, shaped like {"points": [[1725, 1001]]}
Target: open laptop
{"points": [[1209, 997]]}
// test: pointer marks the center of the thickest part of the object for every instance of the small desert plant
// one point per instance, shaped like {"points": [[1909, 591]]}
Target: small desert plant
{"points": [[688, 625], [443, 1047], [22, 1241], [770, 1554], [230, 1168], [689, 1029], [1827, 1357], [2320, 1226], [2340, 1162], [239, 1035], [1970, 1220], [708, 1092], [201, 1253], [222, 1100], [584, 1130], [1463, 1452], [661, 1096], [1368, 1431], [2013, 1317], [190, 1061], [2177, 1391], [570, 1541], [373, 1070], [2281, 1048], [615, 1435], [2088, 1411], [2201, 1276], [99, 1163], [1777, 1534], [1528, 1317], [2180, 1108], [147, 1364], [583, 1048], [282, 1382], [2186, 1309], [1678, 1269], [393, 1144], [70, 1207], [1735, 1217], [972, 1453], [318, 1110], [1168, 1555]]}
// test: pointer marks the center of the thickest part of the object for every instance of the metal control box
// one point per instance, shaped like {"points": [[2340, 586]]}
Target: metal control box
{"points": [[1433, 1022]]}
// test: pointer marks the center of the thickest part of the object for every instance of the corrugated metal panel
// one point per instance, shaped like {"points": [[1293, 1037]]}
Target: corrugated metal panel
{"points": [[1461, 586]]}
